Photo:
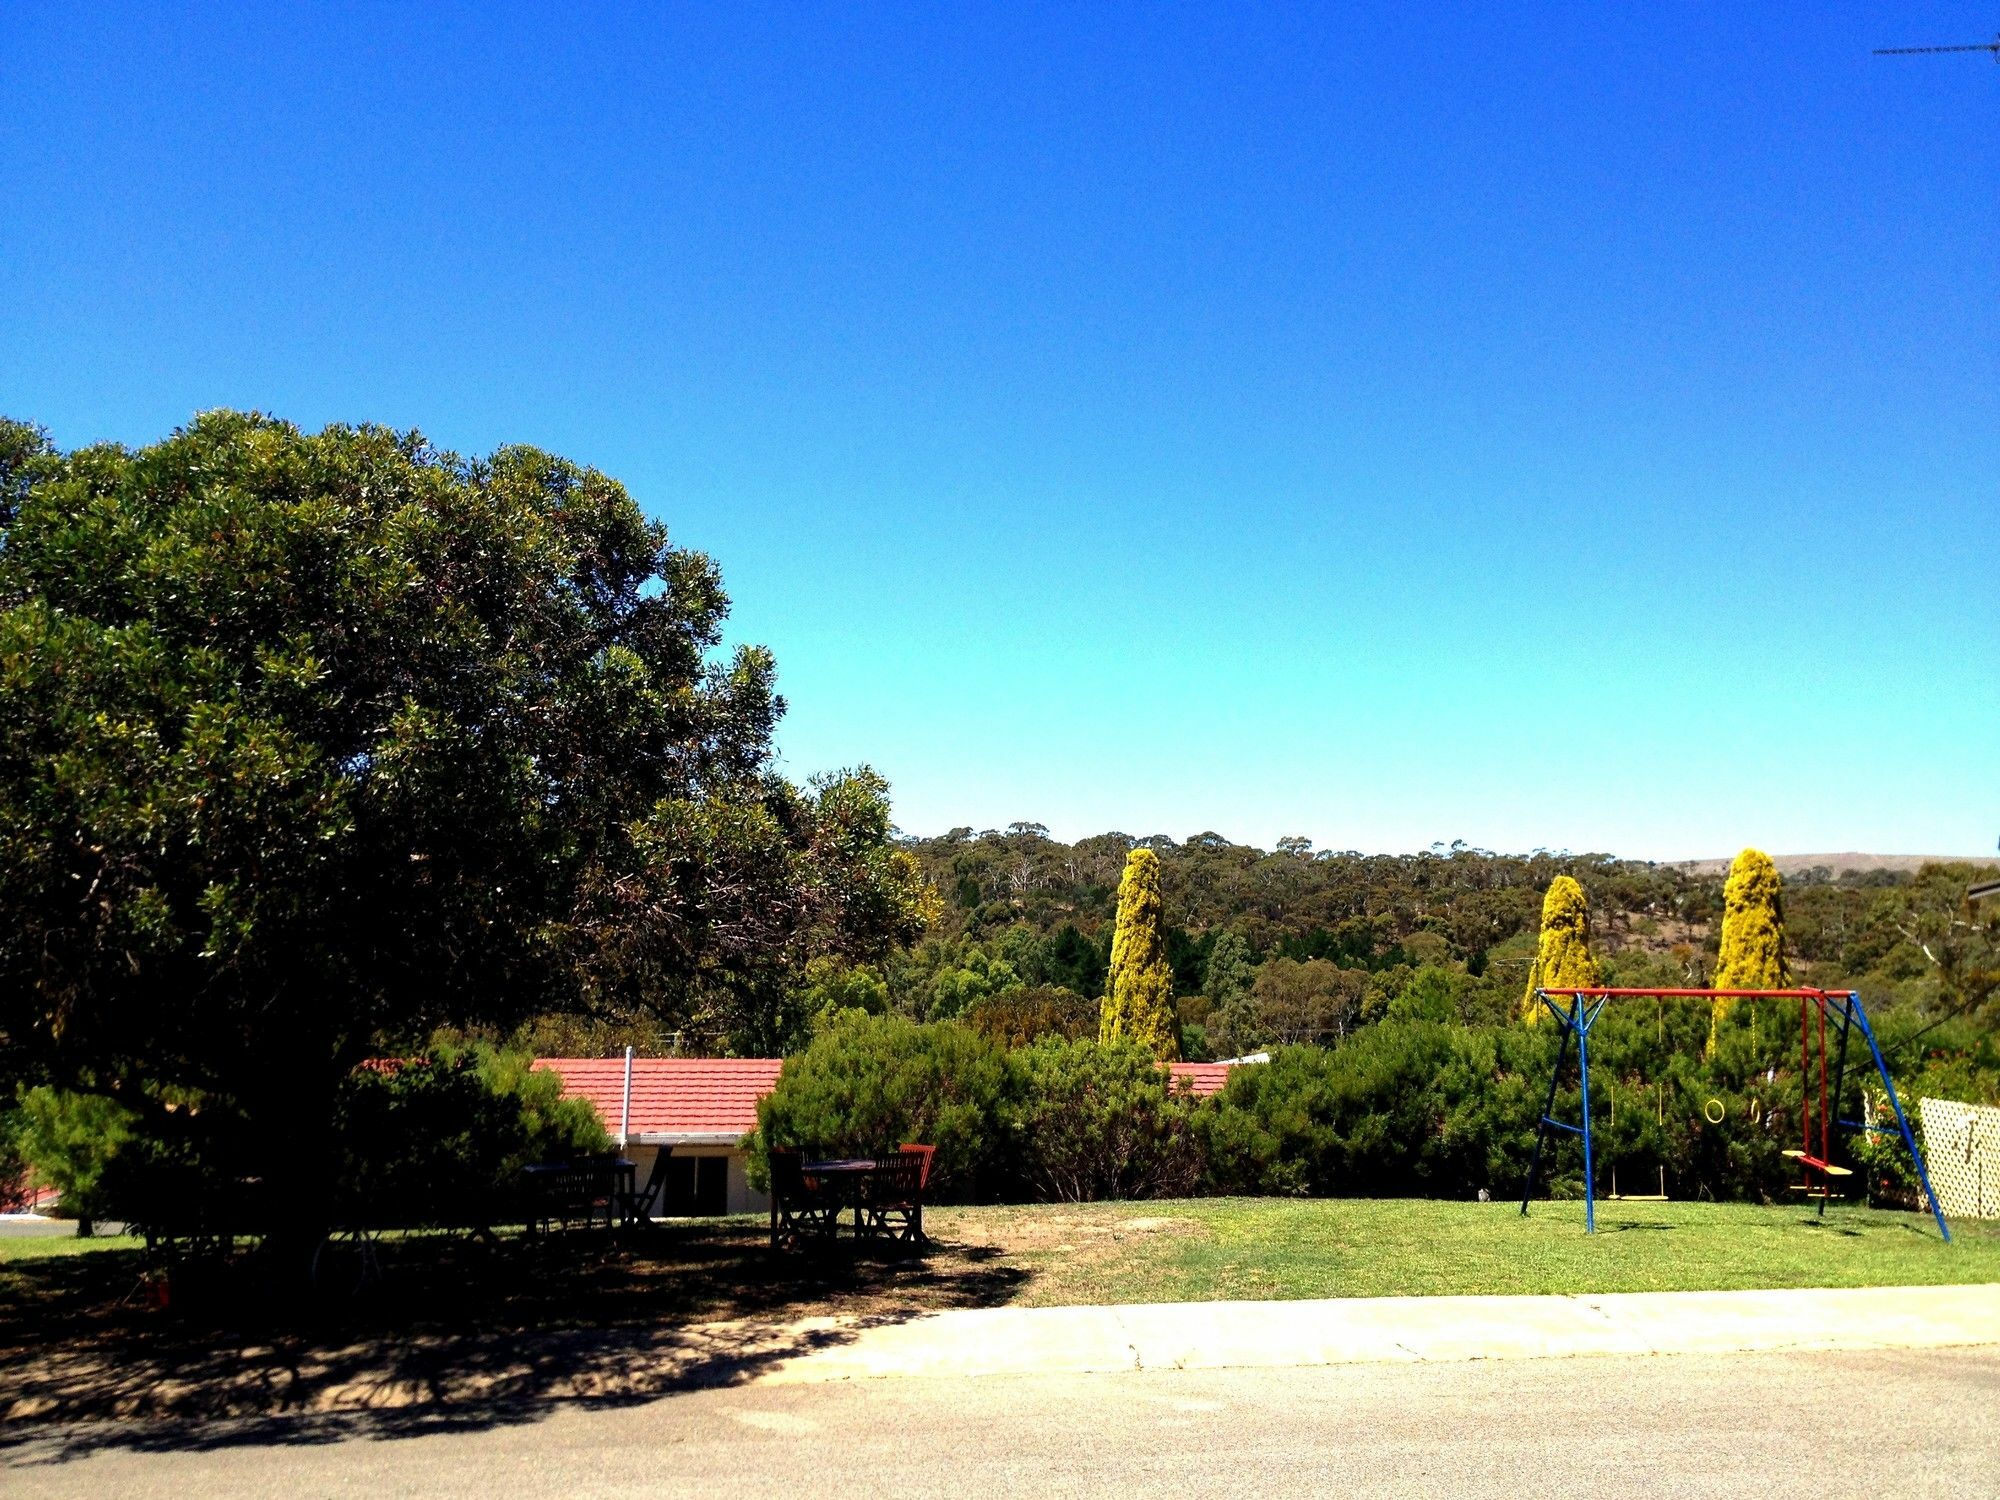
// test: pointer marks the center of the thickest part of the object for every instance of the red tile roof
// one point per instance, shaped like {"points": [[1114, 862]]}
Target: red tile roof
{"points": [[672, 1095], [717, 1096], [21, 1197], [1203, 1078]]}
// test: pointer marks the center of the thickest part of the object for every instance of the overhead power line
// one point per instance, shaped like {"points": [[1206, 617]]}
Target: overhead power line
{"points": [[1992, 46]]}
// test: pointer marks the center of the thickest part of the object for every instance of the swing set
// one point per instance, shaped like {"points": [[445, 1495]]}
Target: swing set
{"points": [[1817, 1117]]}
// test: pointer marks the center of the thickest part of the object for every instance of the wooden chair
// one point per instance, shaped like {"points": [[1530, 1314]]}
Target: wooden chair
{"points": [[928, 1154], [801, 1209], [646, 1201], [894, 1206], [582, 1190]]}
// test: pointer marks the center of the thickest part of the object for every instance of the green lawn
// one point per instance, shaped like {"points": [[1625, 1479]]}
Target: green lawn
{"points": [[42, 1246], [1237, 1248], [587, 1313]]}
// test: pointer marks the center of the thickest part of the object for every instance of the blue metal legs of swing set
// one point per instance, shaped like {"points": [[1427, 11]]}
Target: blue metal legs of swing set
{"points": [[1856, 1016], [1576, 1022]]}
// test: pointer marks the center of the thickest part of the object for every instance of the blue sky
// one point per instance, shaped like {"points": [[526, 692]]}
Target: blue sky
{"points": [[1543, 426]]}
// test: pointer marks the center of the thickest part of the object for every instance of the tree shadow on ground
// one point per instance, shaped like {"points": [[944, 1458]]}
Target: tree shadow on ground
{"points": [[460, 1334]]}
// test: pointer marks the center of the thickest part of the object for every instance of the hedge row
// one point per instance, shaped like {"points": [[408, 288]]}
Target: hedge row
{"points": [[1403, 1108], [436, 1140], [1067, 1120]]}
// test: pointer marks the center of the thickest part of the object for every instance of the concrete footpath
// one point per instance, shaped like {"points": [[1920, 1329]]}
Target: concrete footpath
{"points": [[1372, 1330]]}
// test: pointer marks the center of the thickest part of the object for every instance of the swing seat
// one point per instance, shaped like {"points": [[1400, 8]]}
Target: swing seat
{"points": [[1820, 1166]]}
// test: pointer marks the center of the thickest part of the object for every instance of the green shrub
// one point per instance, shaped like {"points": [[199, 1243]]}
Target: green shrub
{"points": [[867, 1084], [1431, 995], [1088, 1120], [1194, 1043], [436, 1140], [68, 1141], [440, 1140], [14, 1179], [1398, 1109], [1406, 1108], [1410, 1106]]}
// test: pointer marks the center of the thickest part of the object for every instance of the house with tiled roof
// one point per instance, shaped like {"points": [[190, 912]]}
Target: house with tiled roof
{"points": [[697, 1110]]}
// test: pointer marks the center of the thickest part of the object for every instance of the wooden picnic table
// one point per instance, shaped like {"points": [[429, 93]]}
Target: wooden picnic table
{"points": [[560, 1190], [848, 1178], [809, 1197]]}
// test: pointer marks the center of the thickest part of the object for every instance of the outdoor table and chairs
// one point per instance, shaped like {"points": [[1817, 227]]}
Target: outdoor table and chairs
{"points": [[581, 1191], [884, 1195]]}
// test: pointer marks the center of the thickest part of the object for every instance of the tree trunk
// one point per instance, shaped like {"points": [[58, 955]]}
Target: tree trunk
{"points": [[293, 1164]]}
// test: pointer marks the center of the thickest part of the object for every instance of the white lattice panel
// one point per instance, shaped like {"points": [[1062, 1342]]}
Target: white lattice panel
{"points": [[1962, 1151]]}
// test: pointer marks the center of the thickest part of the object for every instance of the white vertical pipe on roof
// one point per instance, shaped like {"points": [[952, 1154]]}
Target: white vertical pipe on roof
{"points": [[625, 1109]]}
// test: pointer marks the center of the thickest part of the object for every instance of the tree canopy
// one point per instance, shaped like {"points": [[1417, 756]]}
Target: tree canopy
{"points": [[312, 742]]}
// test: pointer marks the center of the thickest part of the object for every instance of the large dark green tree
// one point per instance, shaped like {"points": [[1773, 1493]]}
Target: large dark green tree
{"points": [[312, 742]]}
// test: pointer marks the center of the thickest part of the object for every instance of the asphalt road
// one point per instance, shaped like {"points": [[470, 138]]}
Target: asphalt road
{"points": [[1905, 1423], [33, 1227]]}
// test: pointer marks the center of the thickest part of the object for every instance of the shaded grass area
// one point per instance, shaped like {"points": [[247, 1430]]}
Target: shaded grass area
{"points": [[1250, 1248], [490, 1330]]}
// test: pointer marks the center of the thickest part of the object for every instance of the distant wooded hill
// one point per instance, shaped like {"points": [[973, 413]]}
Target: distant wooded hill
{"points": [[1046, 906], [1293, 944], [1835, 864]]}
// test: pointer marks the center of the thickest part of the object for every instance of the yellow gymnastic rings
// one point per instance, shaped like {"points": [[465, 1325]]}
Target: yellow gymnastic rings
{"points": [[1713, 1112]]}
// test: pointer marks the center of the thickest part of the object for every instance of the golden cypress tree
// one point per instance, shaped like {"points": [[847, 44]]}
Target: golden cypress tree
{"points": [[1753, 934], [1563, 960], [1138, 1000]]}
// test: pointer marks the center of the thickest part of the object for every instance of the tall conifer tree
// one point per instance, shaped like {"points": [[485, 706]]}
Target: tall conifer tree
{"points": [[1563, 960], [1752, 955], [1138, 999]]}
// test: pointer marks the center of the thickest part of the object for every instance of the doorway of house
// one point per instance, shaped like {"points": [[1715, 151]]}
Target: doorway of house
{"points": [[697, 1187]]}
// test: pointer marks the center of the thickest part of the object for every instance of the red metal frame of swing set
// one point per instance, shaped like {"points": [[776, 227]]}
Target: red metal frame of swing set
{"points": [[1578, 1024]]}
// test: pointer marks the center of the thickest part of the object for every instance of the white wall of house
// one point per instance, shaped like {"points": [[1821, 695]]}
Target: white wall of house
{"points": [[743, 1198]]}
